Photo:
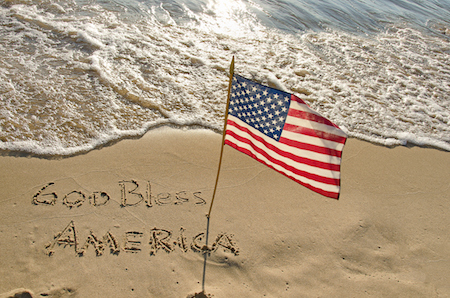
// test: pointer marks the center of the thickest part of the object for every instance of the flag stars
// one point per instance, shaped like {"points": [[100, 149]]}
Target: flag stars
{"points": [[263, 108]]}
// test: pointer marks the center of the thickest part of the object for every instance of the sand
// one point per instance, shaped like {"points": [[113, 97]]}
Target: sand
{"points": [[129, 220]]}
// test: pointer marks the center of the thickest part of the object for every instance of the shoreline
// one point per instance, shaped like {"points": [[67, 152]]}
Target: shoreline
{"points": [[194, 128], [388, 235]]}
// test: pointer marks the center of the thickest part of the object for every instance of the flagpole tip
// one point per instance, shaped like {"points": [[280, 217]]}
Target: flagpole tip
{"points": [[232, 67]]}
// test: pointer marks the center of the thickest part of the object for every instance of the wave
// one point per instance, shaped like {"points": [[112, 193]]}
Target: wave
{"points": [[74, 77]]}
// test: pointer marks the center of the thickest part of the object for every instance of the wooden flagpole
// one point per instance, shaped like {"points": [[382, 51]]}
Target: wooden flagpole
{"points": [[205, 247], [223, 135]]}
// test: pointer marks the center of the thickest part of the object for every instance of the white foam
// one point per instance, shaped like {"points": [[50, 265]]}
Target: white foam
{"points": [[70, 83]]}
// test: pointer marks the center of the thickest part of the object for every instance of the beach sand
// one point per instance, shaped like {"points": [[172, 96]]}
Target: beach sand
{"points": [[129, 220]]}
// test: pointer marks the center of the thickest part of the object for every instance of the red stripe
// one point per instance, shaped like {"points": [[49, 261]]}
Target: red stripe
{"points": [[314, 133], [328, 194], [318, 178], [309, 147], [297, 99], [297, 158], [308, 116]]}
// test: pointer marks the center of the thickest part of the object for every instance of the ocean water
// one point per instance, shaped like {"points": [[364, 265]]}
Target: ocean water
{"points": [[76, 74]]}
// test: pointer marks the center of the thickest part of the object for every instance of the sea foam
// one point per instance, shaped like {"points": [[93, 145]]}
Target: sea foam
{"points": [[74, 77]]}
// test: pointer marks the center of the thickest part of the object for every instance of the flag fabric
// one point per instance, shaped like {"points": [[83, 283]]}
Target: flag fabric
{"points": [[281, 131]]}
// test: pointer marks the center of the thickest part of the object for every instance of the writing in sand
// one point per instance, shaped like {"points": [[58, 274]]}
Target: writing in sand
{"points": [[133, 241]]}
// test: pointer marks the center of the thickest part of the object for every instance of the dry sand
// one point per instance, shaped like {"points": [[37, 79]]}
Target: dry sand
{"points": [[78, 227]]}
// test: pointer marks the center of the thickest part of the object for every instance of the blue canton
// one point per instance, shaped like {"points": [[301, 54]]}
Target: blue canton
{"points": [[261, 107]]}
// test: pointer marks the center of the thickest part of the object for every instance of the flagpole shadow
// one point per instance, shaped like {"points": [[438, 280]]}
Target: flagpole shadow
{"points": [[205, 250]]}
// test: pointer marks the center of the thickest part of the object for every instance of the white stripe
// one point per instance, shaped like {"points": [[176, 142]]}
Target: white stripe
{"points": [[299, 166], [296, 151], [312, 140], [322, 127], [316, 184], [315, 125], [275, 155]]}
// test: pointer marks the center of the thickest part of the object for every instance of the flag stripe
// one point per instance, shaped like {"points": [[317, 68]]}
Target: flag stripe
{"points": [[313, 148], [302, 106], [291, 119], [316, 167], [260, 148], [319, 157], [309, 117], [312, 140], [329, 194], [314, 133]]}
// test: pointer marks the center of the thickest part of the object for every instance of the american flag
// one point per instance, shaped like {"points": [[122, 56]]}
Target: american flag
{"points": [[283, 132]]}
